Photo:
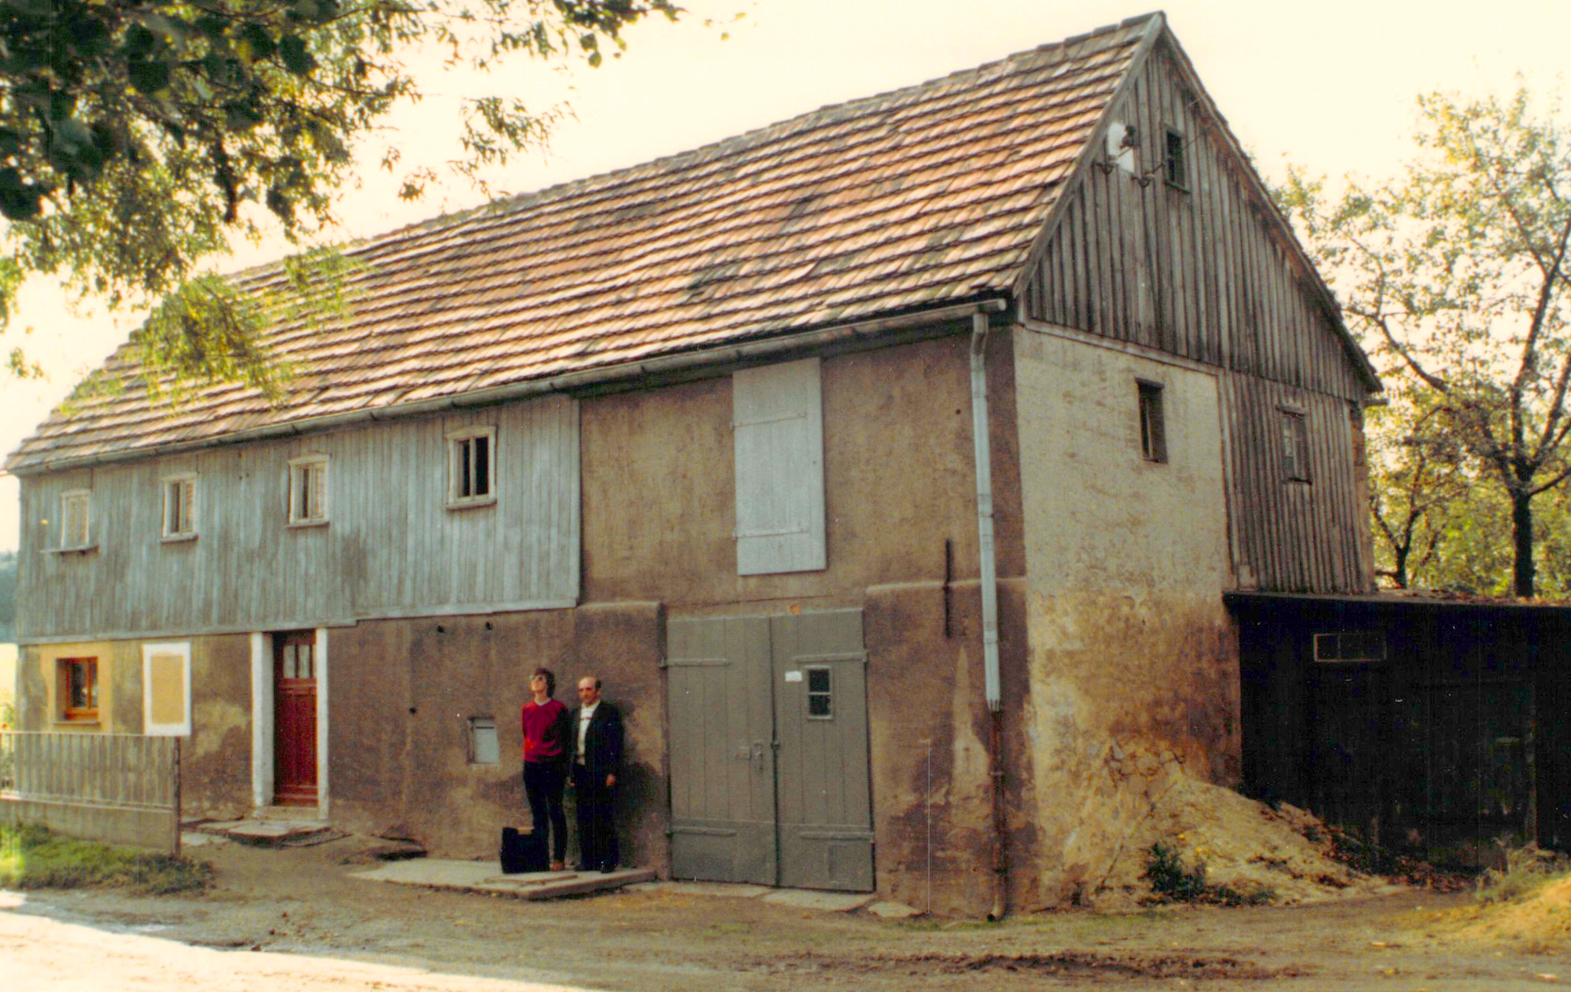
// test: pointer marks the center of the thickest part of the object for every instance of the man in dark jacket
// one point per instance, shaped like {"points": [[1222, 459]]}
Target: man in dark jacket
{"points": [[597, 761]]}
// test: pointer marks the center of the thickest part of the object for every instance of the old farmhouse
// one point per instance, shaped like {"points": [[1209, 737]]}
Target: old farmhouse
{"points": [[863, 456]]}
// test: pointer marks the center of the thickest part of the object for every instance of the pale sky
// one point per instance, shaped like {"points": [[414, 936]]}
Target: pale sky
{"points": [[1329, 85]]}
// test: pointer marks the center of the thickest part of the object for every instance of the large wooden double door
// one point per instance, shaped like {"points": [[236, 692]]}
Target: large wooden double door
{"points": [[769, 756], [294, 718]]}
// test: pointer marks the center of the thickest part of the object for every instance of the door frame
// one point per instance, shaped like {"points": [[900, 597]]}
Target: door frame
{"points": [[263, 724]]}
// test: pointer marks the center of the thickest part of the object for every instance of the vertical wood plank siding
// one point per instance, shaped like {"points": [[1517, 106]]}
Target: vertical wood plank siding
{"points": [[1199, 272], [1295, 536], [391, 546]]}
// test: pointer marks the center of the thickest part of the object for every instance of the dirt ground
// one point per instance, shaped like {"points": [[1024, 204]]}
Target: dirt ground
{"points": [[294, 919]]}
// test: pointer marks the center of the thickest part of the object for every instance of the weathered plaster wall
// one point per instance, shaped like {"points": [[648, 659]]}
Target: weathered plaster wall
{"points": [[403, 693], [1133, 660], [659, 497], [215, 760], [929, 725]]}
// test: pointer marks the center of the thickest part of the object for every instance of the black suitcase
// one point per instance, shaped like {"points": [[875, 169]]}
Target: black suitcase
{"points": [[521, 852]]}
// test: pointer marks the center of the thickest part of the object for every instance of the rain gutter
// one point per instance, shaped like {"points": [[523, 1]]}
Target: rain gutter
{"points": [[989, 583]]}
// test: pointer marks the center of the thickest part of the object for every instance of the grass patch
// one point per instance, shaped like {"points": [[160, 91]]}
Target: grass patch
{"points": [[1527, 870], [1172, 881], [33, 858]]}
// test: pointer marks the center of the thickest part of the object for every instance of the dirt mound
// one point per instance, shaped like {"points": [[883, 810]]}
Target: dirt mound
{"points": [[1280, 855], [1538, 920]]}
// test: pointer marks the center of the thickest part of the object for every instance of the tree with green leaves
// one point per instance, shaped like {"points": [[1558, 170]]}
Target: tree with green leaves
{"points": [[1456, 276], [138, 138]]}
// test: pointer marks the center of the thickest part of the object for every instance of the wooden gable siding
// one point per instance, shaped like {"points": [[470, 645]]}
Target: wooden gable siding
{"points": [[1293, 536], [1199, 272], [391, 547]]}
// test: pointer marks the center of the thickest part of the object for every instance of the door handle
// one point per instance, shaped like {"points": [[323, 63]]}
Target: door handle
{"points": [[758, 756]]}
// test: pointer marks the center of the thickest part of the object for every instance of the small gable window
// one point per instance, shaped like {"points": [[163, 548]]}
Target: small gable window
{"points": [[1175, 166], [471, 467], [308, 491], [1295, 445], [1153, 428], [180, 508]]}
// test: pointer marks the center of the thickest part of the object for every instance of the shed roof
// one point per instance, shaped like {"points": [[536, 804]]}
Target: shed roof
{"points": [[919, 197]]}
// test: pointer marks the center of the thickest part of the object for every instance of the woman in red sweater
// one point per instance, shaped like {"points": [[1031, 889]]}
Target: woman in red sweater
{"points": [[546, 748]]}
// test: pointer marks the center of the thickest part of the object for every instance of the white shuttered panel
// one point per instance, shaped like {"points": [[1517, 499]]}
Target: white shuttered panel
{"points": [[777, 415]]}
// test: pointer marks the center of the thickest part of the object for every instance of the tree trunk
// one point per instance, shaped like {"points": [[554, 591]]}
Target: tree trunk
{"points": [[1522, 537]]}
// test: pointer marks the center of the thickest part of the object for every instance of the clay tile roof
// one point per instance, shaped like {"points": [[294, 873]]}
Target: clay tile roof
{"points": [[919, 197]]}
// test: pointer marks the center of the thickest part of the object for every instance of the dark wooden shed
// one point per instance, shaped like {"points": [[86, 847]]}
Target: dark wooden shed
{"points": [[1431, 726]]}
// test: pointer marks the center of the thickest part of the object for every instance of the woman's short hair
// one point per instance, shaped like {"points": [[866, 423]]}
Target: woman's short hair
{"points": [[550, 679]]}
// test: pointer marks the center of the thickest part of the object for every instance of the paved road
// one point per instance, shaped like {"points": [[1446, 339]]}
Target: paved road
{"points": [[38, 954]]}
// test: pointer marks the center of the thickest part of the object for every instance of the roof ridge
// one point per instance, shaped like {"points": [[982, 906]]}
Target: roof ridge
{"points": [[667, 162]]}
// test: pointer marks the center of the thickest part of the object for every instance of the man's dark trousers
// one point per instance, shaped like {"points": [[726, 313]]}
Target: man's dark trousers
{"points": [[597, 846]]}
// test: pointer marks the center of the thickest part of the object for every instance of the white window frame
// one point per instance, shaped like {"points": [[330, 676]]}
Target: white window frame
{"points": [[456, 439], [181, 727], [318, 515], [66, 498], [186, 529]]}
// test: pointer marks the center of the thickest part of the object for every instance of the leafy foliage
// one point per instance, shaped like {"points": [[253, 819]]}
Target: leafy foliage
{"points": [[1171, 881], [1456, 275], [138, 138]]}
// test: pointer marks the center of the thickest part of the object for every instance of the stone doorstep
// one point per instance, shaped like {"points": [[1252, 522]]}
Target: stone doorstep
{"points": [[263, 833], [483, 877]]}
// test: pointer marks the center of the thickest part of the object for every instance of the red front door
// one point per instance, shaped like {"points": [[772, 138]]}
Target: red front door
{"points": [[294, 718]]}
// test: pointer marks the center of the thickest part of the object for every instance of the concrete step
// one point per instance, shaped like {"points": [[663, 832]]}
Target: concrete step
{"points": [[486, 877]]}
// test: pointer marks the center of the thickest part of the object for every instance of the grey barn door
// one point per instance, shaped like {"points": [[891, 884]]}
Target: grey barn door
{"points": [[769, 766], [722, 762]]}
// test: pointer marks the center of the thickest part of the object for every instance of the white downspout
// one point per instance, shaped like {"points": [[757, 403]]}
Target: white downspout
{"points": [[989, 583]]}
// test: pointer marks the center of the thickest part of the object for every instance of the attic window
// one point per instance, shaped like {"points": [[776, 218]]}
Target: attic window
{"points": [[1153, 428], [1174, 166], [470, 467]]}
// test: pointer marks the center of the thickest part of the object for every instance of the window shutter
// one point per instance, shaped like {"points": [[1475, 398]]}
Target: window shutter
{"points": [[187, 501], [316, 477], [778, 426]]}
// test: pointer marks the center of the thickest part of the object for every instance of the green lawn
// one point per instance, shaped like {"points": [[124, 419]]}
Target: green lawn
{"points": [[33, 858]]}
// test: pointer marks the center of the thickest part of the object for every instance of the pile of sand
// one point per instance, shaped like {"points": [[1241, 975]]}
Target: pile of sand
{"points": [[1539, 920], [1245, 845]]}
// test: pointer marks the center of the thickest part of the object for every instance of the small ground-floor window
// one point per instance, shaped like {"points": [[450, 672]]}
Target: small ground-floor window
{"points": [[78, 692]]}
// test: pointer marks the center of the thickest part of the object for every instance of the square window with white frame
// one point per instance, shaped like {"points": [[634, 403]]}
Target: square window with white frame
{"points": [[76, 514], [179, 508], [308, 491], [471, 467]]}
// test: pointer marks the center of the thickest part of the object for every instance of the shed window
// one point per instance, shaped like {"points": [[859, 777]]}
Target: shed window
{"points": [[78, 688], [308, 491], [1153, 428], [1351, 646], [180, 508], [1175, 166], [471, 467], [1295, 445], [75, 518]]}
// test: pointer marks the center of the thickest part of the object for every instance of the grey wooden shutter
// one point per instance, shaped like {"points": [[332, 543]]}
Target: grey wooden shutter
{"points": [[777, 418]]}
